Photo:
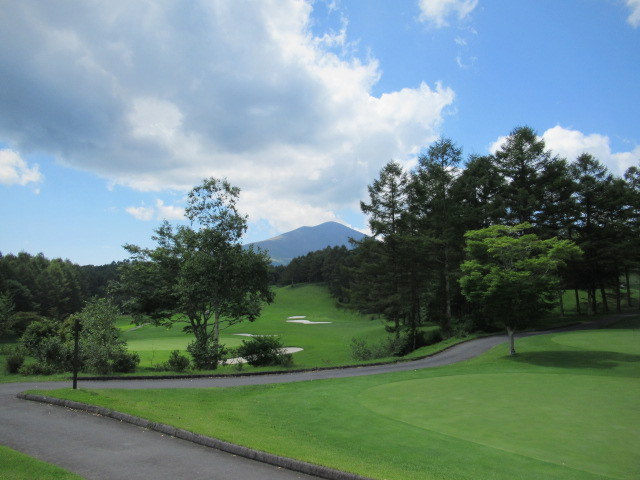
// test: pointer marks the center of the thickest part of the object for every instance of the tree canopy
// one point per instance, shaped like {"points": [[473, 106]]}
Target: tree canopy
{"points": [[512, 277], [199, 275]]}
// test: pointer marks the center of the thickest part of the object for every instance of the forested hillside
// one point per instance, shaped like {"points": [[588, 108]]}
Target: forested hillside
{"points": [[53, 288]]}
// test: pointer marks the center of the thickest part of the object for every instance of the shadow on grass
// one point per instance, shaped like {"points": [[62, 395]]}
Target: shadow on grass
{"points": [[578, 359], [625, 323]]}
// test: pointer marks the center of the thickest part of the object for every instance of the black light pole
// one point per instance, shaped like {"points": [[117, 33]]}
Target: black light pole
{"points": [[76, 347]]}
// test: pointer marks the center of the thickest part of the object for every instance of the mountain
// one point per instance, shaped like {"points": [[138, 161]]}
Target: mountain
{"points": [[303, 240]]}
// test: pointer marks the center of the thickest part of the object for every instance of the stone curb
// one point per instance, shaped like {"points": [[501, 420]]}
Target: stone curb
{"points": [[260, 456]]}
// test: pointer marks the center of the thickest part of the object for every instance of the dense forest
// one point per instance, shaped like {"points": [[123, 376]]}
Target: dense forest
{"points": [[409, 269], [34, 284]]}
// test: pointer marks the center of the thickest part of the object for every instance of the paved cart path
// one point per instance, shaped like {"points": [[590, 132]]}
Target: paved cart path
{"points": [[101, 448]]}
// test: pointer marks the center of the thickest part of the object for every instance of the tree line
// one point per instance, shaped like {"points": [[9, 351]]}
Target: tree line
{"points": [[409, 270], [35, 285]]}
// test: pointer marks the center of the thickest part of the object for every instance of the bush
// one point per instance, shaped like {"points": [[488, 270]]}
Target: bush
{"points": [[38, 368], [264, 351], [21, 320], [432, 337], [393, 346], [36, 333], [176, 362], [125, 362], [14, 360], [206, 354], [360, 350]]}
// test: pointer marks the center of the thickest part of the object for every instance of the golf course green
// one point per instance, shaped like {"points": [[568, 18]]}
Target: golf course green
{"points": [[565, 407]]}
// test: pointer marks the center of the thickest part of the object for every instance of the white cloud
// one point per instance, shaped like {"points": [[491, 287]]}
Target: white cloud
{"points": [[634, 17], [159, 212], [15, 171], [570, 144], [169, 212], [141, 213], [436, 12], [465, 64], [163, 95]]}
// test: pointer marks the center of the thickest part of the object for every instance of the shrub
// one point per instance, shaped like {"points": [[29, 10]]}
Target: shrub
{"points": [[360, 350], [206, 354], [432, 337], [14, 360], [125, 362], [36, 333], [176, 362], [21, 320], [38, 368], [264, 351]]}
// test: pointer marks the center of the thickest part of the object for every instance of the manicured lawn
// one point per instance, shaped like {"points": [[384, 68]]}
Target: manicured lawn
{"points": [[566, 407], [323, 344], [18, 466]]}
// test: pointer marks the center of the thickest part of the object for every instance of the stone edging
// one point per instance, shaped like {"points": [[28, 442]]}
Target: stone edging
{"points": [[260, 456]]}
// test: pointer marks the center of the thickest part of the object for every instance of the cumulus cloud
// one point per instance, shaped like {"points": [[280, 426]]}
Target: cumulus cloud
{"points": [[159, 212], [158, 95], [436, 12], [14, 170], [634, 17], [570, 144]]}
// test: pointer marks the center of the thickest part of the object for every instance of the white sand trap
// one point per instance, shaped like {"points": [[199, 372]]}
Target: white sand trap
{"points": [[252, 335], [306, 322], [233, 361], [297, 317]]}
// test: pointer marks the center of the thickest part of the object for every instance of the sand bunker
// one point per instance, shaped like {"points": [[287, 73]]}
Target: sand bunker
{"points": [[306, 322], [297, 317], [233, 361], [252, 335]]}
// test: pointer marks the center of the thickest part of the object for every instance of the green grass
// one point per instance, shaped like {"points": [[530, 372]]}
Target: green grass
{"points": [[323, 344], [566, 407], [18, 466]]}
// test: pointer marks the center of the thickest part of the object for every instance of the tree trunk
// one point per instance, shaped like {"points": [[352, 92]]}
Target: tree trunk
{"points": [[591, 302], [512, 347], [561, 294], [216, 328], [603, 294], [578, 310], [618, 294], [628, 283], [447, 291]]}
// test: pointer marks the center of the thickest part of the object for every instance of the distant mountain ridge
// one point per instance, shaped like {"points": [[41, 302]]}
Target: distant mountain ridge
{"points": [[284, 248]]}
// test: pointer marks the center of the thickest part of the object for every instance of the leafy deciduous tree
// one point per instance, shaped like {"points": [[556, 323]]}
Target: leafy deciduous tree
{"points": [[199, 275], [511, 276]]}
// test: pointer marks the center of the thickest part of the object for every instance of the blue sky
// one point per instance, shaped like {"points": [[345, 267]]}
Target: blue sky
{"points": [[111, 111]]}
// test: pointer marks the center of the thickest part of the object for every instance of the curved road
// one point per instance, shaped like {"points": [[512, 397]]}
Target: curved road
{"points": [[101, 448]]}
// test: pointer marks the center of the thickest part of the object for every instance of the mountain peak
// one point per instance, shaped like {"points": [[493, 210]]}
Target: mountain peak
{"points": [[285, 247]]}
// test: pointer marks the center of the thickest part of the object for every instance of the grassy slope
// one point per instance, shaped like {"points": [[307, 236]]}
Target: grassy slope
{"points": [[324, 344], [564, 408], [18, 466]]}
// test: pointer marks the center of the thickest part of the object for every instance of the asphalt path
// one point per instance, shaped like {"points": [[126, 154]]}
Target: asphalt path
{"points": [[96, 447]]}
